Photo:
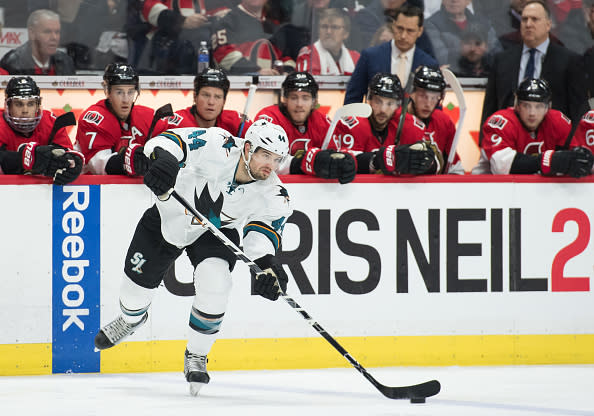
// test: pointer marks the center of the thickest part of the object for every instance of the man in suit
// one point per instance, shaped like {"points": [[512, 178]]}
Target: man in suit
{"points": [[537, 57], [399, 56]]}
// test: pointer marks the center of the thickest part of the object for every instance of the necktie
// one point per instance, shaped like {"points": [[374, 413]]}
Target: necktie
{"points": [[529, 73], [401, 70]]}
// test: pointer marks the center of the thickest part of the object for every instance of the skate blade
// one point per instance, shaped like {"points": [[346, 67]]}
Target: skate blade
{"points": [[195, 388]]}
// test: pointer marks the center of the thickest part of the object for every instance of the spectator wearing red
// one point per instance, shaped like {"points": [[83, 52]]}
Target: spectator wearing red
{"points": [[328, 55]]}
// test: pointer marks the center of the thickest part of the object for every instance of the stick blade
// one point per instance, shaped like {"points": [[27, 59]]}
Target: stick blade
{"points": [[164, 111], [417, 391], [353, 110]]}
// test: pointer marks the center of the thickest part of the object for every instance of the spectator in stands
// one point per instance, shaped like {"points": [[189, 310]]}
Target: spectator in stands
{"points": [[306, 129], [27, 141], [425, 103], [39, 55], [537, 57], [242, 42], [378, 12], [524, 139], [473, 60], [574, 31], [210, 92], [329, 55], [382, 34], [112, 132], [177, 29], [399, 56], [445, 30], [100, 31], [588, 58]]}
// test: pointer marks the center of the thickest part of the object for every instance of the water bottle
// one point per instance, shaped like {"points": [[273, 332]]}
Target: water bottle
{"points": [[203, 57]]}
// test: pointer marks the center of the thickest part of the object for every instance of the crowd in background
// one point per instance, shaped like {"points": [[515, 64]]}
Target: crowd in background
{"points": [[319, 36]]}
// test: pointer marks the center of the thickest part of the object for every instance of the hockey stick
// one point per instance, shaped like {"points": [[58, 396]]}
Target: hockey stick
{"points": [[164, 111], [349, 110], [416, 392], [65, 120], [457, 88], [404, 107], [248, 103]]}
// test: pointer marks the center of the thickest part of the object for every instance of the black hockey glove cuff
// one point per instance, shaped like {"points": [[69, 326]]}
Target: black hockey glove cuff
{"points": [[162, 172], [11, 163], [414, 159], [267, 285]]}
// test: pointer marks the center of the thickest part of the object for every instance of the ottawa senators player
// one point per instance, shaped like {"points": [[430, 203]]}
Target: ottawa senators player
{"points": [[427, 95], [210, 92], [26, 142], [306, 128], [111, 133], [584, 134], [524, 138], [373, 138]]}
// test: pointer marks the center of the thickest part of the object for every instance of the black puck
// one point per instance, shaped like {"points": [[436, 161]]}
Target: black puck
{"points": [[417, 400]]}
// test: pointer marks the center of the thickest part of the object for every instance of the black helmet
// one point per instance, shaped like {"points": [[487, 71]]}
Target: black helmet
{"points": [[385, 85], [429, 79], [300, 81], [22, 88], [534, 89], [212, 77], [121, 74]]}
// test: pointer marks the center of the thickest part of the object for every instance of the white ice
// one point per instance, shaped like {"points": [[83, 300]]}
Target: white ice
{"points": [[476, 391]]}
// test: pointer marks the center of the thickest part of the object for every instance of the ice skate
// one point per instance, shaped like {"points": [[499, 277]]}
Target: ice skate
{"points": [[115, 332], [195, 371]]}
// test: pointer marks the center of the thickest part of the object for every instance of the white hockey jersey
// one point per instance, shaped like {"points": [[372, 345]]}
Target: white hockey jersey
{"points": [[209, 160]]}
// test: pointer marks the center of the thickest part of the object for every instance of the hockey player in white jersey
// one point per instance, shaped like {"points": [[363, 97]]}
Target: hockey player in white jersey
{"points": [[231, 181]]}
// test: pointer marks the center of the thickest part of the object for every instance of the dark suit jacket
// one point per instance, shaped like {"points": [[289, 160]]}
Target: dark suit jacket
{"points": [[561, 67], [378, 59]]}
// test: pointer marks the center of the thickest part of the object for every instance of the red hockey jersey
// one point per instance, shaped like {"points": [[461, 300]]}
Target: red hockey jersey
{"points": [[13, 139]]}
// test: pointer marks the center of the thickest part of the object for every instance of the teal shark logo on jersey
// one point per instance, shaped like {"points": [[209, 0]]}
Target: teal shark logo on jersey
{"points": [[209, 208], [197, 144], [229, 143], [284, 193], [279, 225]]}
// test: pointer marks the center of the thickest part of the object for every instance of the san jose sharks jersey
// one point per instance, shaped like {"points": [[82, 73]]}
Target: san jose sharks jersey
{"points": [[208, 162]]}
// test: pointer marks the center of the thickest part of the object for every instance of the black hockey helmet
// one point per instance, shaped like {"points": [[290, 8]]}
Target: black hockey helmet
{"points": [[300, 81], [534, 89], [121, 74], [22, 88], [430, 79], [385, 85], [212, 77]]}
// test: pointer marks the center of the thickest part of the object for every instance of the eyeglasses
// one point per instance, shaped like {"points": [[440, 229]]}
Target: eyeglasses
{"points": [[334, 28]]}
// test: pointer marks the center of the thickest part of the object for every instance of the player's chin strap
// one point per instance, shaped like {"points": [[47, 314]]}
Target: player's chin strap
{"points": [[247, 162]]}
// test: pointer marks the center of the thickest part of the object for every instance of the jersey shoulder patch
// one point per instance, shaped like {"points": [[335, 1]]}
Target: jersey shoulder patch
{"points": [[497, 121], [350, 121], [175, 119], [93, 117]]}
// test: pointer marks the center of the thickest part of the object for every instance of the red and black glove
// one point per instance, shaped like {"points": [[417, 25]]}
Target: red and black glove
{"points": [[330, 164], [576, 162], [135, 162], [415, 159], [42, 159]]}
